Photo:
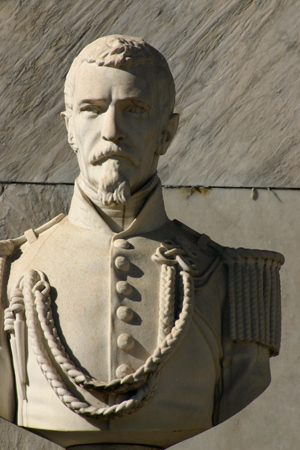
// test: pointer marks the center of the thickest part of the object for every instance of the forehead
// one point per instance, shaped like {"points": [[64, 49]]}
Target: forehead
{"points": [[100, 82]]}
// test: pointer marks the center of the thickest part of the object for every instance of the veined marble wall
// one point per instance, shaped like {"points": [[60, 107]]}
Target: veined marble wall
{"points": [[236, 66]]}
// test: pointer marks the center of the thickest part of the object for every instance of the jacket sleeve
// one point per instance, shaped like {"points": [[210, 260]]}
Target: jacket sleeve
{"points": [[7, 384], [251, 327]]}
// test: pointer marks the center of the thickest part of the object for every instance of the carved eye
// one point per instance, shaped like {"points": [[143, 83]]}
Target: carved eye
{"points": [[93, 110], [138, 110]]}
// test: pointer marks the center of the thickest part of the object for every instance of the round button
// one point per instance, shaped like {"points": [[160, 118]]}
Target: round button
{"points": [[125, 342], [124, 313], [122, 263], [123, 370], [124, 288], [121, 243]]}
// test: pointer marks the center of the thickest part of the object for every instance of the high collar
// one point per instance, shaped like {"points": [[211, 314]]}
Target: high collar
{"points": [[144, 212]]}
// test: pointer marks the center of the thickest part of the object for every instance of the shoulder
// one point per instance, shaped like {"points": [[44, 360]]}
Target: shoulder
{"points": [[9, 247], [12, 249], [201, 240], [229, 255], [252, 256], [249, 279], [203, 256]]}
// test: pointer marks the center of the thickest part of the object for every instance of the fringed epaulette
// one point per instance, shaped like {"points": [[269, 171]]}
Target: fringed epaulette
{"points": [[254, 296], [253, 290]]}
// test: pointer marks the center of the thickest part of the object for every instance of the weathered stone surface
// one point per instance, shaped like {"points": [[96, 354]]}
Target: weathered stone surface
{"points": [[16, 438], [29, 206], [236, 67]]}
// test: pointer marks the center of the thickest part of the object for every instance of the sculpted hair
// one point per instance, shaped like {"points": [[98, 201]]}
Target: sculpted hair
{"points": [[124, 52]]}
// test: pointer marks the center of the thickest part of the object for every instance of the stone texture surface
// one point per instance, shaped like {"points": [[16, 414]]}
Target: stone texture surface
{"points": [[236, 65], [29, 206], [16, 438], [230, 216]]}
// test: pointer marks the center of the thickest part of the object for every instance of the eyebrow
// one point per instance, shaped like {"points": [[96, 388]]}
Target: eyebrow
{"points": [[92, 100]]}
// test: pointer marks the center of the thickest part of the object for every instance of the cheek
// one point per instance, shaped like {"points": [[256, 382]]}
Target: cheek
{"points": [[87, 131], [144, 132]]}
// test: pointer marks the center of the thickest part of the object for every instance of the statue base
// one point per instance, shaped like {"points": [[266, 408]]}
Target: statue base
{"points": [[112, 447]]}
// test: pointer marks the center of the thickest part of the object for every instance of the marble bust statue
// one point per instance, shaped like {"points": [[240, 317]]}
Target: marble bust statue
{"points": [[120, 326]]}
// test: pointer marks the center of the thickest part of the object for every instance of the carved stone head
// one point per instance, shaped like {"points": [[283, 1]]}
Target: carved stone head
{"points": [[119, 96]]}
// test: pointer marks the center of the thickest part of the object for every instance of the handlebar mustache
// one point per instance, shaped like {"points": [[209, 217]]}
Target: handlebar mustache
{"points": [[106, 152]]}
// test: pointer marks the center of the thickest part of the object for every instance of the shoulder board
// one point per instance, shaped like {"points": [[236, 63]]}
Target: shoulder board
{"points": [[203, 241], [254, 296], [8, 246]]}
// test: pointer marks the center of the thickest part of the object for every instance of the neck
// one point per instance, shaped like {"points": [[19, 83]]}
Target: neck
{"points": [[118, 217]]}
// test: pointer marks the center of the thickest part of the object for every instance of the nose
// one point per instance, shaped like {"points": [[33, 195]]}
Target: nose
{"points": [[111, 130]]}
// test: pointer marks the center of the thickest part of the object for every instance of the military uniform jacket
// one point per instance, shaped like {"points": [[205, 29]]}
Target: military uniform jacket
{"points": [[155, 332]]}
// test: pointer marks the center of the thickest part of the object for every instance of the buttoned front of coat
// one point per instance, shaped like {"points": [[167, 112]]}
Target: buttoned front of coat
{"points": [[105, 292], [106, 311]]}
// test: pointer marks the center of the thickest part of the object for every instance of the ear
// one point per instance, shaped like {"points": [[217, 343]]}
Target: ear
{"points": [[168, 133], [67, 120], [63, 116]]}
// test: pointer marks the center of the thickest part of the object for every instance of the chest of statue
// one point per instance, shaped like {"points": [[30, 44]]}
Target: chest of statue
{"points": [[104, 296], [109, 301]]}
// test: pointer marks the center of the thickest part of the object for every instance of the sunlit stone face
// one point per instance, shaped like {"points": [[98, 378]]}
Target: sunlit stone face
{"points": [[116, 125]]}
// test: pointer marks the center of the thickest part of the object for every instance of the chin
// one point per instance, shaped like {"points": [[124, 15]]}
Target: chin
{"points": [[113, 186]]}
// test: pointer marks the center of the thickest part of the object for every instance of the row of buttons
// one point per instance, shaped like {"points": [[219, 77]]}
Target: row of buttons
{"points": [[125, 341]]}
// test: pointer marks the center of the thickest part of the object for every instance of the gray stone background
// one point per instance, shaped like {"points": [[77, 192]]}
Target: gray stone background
{"points": [[236, 65]]}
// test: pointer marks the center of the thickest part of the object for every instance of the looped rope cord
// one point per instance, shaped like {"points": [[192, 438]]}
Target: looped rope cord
{"points": [[36, 289]]}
